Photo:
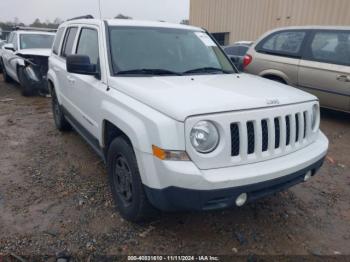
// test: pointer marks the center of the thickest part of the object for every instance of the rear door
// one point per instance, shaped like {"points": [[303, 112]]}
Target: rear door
{"points": [[87, 90], [59, 66], [325, 68]]}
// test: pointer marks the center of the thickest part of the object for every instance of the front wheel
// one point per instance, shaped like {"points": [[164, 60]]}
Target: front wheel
{"points": [[125, 182], [24, 81]]}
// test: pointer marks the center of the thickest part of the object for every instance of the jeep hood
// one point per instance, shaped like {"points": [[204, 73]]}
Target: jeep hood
{"points": [[35, 52], [182, 96]]}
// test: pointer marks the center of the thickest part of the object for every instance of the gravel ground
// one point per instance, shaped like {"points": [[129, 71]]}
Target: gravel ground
{"points": [[54, 197]]}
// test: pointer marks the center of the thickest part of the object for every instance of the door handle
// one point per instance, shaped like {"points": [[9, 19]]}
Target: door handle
{"points": [[71, 80], [343, 78]]}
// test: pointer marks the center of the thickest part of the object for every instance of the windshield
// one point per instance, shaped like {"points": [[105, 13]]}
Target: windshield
{"points": [[166, 51], [28, 41]]}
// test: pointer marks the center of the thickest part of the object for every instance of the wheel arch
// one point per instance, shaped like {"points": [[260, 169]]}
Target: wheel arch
{"points": [[110, 131], [53, 85], [274, 74]]}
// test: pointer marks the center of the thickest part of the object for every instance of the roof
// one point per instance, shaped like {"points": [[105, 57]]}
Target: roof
{"points": [[317, 27], [132, 22]]}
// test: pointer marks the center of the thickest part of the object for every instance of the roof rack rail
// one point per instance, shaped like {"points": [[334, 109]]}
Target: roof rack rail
{"points": [[28, 28], [81, 17]]}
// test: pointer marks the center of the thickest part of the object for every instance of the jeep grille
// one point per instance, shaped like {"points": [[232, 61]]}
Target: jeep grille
{"points": [[268, 133]]}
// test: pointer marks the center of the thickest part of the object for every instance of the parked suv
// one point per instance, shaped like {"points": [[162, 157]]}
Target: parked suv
{"points": [[177, 126], [314, 59], [24, 58]]}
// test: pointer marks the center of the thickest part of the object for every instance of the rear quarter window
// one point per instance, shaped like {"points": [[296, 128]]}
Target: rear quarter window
{"points": [[67, 47], [56, 44], [329, 47]]}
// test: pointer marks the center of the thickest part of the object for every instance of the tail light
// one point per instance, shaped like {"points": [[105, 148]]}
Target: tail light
{"points": [[247, 60]]}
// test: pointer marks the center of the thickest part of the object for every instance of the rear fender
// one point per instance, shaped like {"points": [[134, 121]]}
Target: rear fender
{"points": [[274, 72]]}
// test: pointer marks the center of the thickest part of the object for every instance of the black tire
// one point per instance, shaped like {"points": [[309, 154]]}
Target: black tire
{"points": [[25, 86], [125, 182], [7, 78], [60, 121]]}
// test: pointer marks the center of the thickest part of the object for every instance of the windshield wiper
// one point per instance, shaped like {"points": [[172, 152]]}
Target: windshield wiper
{"points": [[146, 71], [207, 70]]}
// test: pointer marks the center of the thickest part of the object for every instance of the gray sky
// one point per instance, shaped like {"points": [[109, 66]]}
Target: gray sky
{"points": [[28, 10]]}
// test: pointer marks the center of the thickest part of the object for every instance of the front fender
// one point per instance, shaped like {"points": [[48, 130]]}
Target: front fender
{"points": [[144, 127], [128, 123]]}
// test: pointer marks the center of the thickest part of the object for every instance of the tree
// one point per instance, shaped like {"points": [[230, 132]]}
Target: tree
{"points": [[16, 21], [57, 21], [121, 16], [36, 23]]}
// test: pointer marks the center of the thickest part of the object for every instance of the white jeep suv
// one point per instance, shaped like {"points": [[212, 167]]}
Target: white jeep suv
{"points": [[178, 127]]}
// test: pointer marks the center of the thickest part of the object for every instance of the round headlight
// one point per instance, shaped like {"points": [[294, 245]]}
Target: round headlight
{"points": [[204, 137], [315, 113]]}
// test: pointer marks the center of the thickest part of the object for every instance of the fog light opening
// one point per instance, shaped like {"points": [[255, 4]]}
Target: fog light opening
{"points": [[308, 176], [241, 199]]}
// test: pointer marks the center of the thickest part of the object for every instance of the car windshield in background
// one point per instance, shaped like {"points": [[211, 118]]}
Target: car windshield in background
{"points": [[28, 41], [165, 51]]}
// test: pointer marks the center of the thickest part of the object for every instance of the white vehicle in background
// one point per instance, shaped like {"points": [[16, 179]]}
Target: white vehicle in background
{"points": [[178, 127], [24, 58], [2, 43]]}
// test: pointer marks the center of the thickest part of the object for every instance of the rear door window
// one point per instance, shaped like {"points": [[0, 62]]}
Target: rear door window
{"points": [[287, 43], [67, 48], [330, 47], [10, 37], [14, 41]]}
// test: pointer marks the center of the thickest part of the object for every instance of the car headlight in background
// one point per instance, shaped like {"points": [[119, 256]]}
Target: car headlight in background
{"points": [[204, 137], [314, 116]]}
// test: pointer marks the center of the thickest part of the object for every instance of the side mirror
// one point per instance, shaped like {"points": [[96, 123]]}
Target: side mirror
{"points": [[9, 47], [80, 64]]}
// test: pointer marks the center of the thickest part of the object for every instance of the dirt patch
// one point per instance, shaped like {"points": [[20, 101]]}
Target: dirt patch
{"points": [[54, 196]]}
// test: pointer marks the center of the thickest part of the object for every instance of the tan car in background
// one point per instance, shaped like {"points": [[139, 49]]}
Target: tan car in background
{"points": [[315, 59]]}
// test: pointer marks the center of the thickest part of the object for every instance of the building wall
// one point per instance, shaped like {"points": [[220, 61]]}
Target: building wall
{"points": [[248, 19]]}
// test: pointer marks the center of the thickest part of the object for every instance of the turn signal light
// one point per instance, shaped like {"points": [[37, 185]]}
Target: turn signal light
{"points": [[169, 154]]}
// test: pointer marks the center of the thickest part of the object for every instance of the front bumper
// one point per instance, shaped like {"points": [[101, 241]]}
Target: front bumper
{"points": [[172, 185], [175, 198]]}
